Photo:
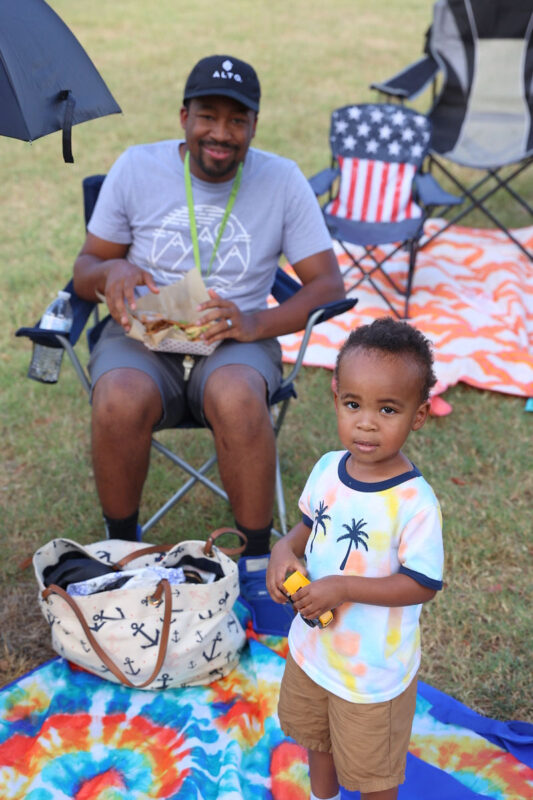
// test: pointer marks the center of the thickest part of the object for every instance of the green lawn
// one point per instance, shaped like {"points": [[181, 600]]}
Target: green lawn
{"points": [[311, 57]]}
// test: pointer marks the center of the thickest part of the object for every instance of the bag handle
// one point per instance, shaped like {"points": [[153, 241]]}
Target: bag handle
{"points": [[163, 590], [228, 551], [208, 547]]}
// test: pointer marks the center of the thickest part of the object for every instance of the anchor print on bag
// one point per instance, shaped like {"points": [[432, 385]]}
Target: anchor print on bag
{"points": [[158, 637]]}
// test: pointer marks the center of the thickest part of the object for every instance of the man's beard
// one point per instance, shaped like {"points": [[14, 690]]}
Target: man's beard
{"points": [[216, 170]]}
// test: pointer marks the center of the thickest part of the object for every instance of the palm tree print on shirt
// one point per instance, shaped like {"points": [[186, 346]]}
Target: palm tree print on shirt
{"points": [[355, 535], [320, 516]]}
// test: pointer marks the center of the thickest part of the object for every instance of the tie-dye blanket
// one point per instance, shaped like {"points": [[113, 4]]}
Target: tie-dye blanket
{"points": [[472, 297], [68, 735]]}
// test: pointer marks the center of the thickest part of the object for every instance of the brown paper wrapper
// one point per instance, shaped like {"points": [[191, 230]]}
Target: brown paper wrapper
{"points": [[178, 302]]}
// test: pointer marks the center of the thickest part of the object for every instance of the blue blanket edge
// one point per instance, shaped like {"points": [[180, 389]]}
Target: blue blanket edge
{"points": [[514, 736]]}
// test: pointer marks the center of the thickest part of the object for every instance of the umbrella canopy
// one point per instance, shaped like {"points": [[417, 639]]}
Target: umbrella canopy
{"points": [[47, 80]]}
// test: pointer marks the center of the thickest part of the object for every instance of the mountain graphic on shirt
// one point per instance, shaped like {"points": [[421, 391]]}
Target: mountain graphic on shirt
{"points": [[172, 249]]}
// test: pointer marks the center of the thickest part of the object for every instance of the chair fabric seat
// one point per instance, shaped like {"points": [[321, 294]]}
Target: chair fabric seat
{"points": [[373, 233]]}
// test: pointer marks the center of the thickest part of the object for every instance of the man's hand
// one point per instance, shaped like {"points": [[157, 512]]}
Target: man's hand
{"points": [[320, 596], [102, 268], [282, 562], [122, 278], [321, 283], [225, 321]]}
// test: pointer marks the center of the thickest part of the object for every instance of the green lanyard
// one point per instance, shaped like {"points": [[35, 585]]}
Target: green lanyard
{"points": [[192, 218]]}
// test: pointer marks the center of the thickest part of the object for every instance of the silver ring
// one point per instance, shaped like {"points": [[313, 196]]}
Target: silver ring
{"points": [[230, 323]]}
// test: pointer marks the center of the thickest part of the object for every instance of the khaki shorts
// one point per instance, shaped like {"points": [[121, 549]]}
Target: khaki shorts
{"points": [[368, 741]]}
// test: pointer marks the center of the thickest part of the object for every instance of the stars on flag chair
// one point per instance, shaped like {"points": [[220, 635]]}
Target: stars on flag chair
{"points": [[377, 197], [479, 57], [283, 288]]}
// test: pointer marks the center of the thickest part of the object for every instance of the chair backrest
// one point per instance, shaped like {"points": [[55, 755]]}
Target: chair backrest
{"points": [[379, 148], [91, 189], [483, 115]]}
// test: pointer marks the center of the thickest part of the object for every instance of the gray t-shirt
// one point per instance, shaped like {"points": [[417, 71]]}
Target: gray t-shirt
{"points": [[142, 203]]}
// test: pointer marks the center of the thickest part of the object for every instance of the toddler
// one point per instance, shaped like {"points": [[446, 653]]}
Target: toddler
{"points": [[371, 536]]}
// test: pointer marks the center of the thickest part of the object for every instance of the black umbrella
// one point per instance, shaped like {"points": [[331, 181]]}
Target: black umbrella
{"points": [[47, 81]]}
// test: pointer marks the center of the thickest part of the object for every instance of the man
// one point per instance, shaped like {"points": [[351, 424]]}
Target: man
{"points": [[247, 207]]}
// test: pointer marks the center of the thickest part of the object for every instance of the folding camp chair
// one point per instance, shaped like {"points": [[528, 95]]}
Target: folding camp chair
{"points": [[376, 194], [283, 288], [480, 54]]}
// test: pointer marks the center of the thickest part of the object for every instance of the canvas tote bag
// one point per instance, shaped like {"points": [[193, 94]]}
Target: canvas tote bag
{"points": [[146, 633]]}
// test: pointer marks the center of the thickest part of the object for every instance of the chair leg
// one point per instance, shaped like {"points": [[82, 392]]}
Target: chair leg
{"points": [[197, 475], [479, 201], [280, 500], [367, 272], [81, 373], [504, 184], [277, 415], [413, 250]]}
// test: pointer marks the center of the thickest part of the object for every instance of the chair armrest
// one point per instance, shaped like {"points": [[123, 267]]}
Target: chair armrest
{"points": [[285, 286], [431, 193], [323, 181], [411, 81], [329, 310], [317, 315], [81, 310]]}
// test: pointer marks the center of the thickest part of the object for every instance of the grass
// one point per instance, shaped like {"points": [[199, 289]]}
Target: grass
{"points": [[311, 57]]}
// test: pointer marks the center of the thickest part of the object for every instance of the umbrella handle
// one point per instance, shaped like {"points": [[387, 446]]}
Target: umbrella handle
{"points": [[67, 95]]}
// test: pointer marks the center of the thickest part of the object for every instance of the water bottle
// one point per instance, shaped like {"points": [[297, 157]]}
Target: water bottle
{"points": [[46, 361]]}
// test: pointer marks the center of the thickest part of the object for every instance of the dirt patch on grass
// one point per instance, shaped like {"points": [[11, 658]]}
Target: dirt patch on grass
{"points": [[25, 636]]}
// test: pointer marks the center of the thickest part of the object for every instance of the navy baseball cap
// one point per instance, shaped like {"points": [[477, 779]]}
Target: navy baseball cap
{"points": [[226, 76]]}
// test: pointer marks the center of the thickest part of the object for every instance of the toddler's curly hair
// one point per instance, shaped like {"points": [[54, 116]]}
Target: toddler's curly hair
{"points": [[395, 338]]}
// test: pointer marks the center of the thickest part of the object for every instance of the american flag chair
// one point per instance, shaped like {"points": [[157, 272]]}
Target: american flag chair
{"points": [[376, 193]]}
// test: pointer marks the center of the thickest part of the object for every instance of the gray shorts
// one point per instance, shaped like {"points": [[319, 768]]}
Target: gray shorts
{"points": [[182, 399]]}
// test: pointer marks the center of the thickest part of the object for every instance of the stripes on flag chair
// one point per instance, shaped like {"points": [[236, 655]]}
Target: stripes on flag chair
{"points": [[376, 193]]}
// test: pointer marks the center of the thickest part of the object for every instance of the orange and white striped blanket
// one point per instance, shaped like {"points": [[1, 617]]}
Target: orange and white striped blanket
{"points": [[472, 297]]}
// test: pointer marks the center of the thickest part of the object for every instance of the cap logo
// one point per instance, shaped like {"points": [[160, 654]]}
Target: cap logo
{"points": [[226, 73]]}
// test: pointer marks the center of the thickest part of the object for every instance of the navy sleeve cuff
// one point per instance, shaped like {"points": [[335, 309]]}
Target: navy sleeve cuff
{"points": [[430, 583], [307, 521]]}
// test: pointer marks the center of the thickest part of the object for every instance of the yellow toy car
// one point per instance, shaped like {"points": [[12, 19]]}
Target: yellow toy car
{"points": [[291, 585]]}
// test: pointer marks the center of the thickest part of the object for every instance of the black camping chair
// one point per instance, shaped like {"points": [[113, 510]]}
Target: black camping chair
{"points": [[479, 55], [376, 195], [283, 288]]}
